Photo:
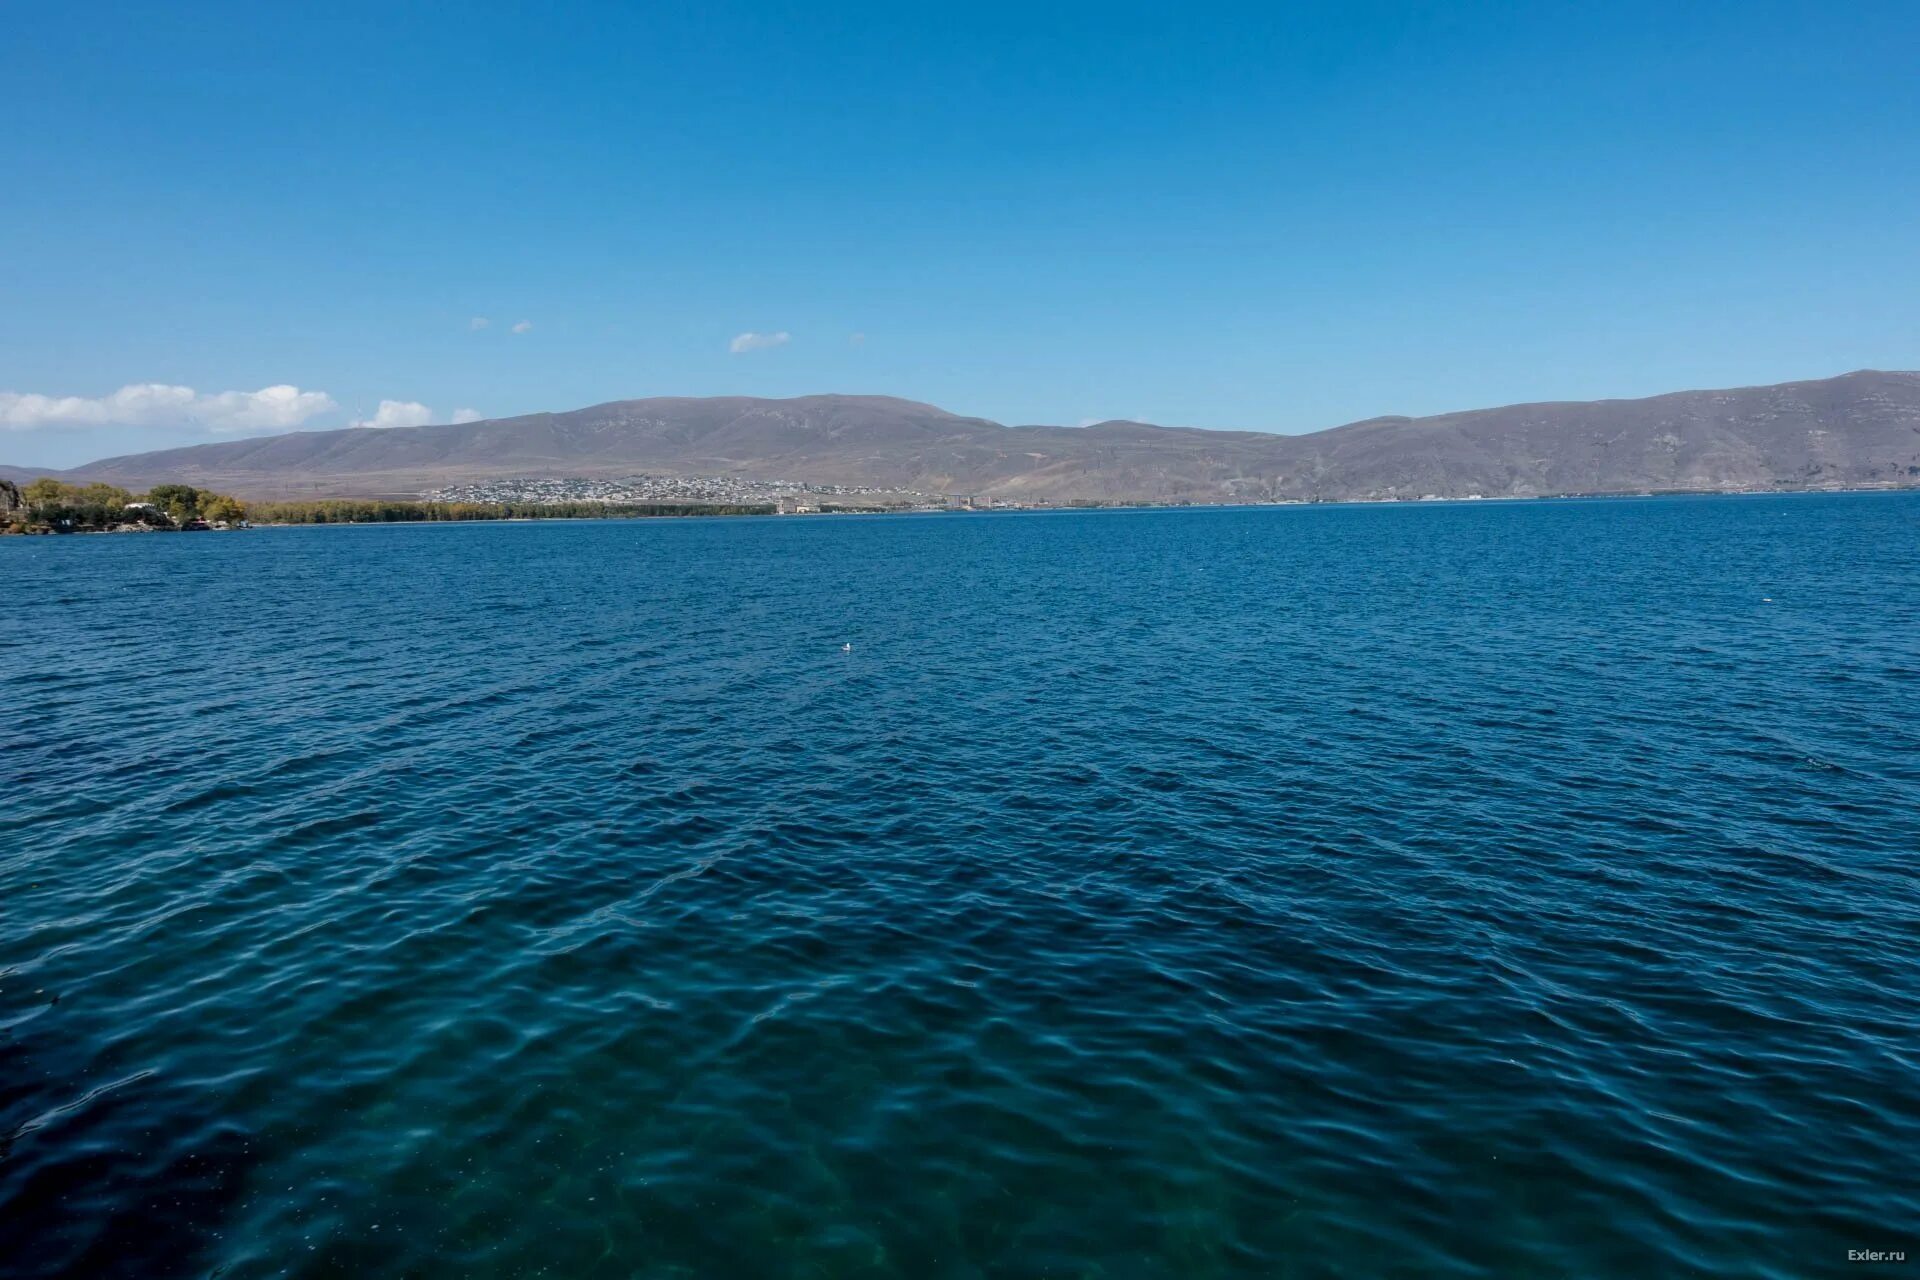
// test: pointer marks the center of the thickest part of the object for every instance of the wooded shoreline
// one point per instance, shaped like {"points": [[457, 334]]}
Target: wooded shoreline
{"points": [[51, 506]]}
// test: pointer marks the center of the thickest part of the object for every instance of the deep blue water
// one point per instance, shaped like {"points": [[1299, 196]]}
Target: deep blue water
{"points": [[1442, 890]]}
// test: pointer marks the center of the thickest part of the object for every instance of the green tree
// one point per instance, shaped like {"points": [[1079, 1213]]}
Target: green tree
{"points": [[181, 501], [221, 507], [45, 492], [102, 495]]}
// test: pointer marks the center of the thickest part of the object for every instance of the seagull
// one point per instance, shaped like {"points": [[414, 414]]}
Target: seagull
{"points": [[847, 647]]}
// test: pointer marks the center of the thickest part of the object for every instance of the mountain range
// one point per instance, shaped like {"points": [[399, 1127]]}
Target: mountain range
{"points": [[1858, 430]]}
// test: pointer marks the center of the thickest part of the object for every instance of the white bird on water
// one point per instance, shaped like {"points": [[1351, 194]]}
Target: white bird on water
{"points": [[847, 647]]}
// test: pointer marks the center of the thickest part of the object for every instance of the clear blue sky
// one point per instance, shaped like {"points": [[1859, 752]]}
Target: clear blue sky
{"points": [[1269, 216]]}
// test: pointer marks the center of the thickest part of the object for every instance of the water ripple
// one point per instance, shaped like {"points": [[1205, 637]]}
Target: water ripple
{"points": [[1439, 890]]}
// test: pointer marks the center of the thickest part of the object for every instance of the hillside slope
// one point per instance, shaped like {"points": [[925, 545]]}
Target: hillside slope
{"points": [[1859, 429]]}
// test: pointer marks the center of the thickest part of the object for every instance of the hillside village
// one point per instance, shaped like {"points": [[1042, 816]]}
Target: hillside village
{"points": [[646, 488]]}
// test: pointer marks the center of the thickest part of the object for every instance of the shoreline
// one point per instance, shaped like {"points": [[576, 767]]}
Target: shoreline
{"points": [[1034, 508], [1102, 504], [1010, 509]]}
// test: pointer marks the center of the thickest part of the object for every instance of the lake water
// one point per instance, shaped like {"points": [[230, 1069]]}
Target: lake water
{"points": [[1443, 890]]}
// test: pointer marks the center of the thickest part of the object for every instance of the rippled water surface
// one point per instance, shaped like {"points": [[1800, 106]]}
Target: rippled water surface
{"points": [[1482, 889]]}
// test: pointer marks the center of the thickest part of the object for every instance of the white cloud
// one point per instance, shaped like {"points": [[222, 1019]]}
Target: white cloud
{"points": [[478, 323], [158, 404], [466, 415], [525, 326], [280, 408], [759, 341], [398, 413]]}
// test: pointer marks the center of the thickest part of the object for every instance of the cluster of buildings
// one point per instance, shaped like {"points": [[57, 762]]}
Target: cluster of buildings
{"points": [[786, 494], [795, 497]]}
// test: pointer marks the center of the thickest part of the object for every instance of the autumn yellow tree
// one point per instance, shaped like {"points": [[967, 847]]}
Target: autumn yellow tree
{"points": [[218, 506], [45, 492]]}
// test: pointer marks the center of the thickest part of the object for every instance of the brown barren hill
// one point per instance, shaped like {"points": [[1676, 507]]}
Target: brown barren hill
{"points": [[1857, 430]]}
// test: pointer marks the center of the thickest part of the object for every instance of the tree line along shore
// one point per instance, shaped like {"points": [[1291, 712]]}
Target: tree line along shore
{"points": [[47, 505]]}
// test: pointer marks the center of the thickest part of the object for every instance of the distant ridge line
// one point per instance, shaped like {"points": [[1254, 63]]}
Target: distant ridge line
{"points": [[1857, 430]]}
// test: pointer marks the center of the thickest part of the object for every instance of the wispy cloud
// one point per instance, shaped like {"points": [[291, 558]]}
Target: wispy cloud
{"points": [[525, 326], [856, 339], [397, 413], [478, 323], [466, 415], [159, 404], [758, 341]]}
